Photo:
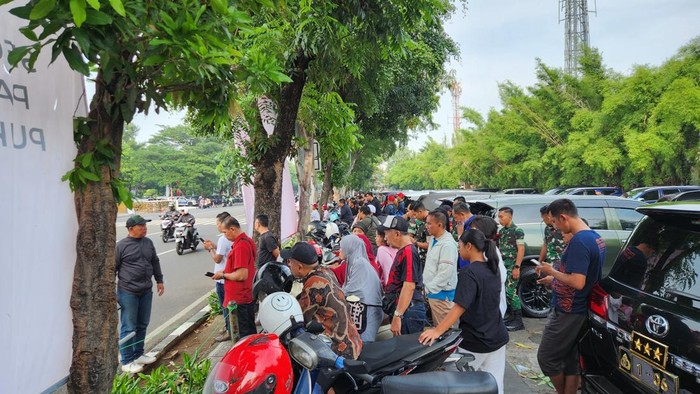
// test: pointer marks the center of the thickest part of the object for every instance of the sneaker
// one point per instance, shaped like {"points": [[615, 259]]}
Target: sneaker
{"points": [[145, 360], [223, 337], [132, 368]]}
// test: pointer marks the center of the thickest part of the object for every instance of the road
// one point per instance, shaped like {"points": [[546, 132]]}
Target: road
{"points": [[184, 278]]}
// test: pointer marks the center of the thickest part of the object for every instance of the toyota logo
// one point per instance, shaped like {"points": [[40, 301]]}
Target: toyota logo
{"points": [[657, 325]]}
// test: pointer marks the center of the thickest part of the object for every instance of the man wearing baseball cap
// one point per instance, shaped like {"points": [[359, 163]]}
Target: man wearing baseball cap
{"points": [[404, 289], [136, 262], [331, 309]]}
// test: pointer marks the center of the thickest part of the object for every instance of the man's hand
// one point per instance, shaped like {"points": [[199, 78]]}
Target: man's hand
{"points": [[544, 268], [208, 244], [161, 289], [516, 273], [396, 326], [546, 281], [218, 275]]}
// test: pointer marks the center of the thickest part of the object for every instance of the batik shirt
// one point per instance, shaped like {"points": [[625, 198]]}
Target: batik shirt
{"points": [[323, 300], [508, 240]]}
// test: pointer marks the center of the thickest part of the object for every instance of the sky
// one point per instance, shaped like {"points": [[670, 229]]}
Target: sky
{"points": [[499, 40]]}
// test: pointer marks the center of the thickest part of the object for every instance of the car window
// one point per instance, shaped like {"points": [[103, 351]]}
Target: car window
{"points": [[527, 213], [628, 218], [661, 258], [595, 218], [670, 191], [651, 195]]}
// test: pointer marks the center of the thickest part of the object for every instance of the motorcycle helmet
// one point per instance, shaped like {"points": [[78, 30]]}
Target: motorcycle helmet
{"points": [[184, 210], [271, 278], [331, 230], [257, 363], [280, 312]]}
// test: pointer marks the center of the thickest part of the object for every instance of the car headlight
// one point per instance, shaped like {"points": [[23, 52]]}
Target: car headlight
{"points": [[304, 354]]}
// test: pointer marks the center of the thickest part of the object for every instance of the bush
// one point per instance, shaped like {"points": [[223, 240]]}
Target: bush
{"points": [[187, 378], [214, 304]]}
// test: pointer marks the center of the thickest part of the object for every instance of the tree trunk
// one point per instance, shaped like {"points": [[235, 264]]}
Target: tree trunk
{"points": [[93, 299], [268, 169], [327, 182], [305, 170]]}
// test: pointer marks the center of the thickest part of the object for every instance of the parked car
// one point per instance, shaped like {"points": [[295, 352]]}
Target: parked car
{"points": [[654, 193], [560, 189], [612, 217], [593, 191], [519, 190], [432, 200], [690, 195], [644, 318]]}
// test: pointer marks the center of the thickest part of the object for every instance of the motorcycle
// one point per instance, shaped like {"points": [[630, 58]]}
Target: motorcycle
{"points": [[167, 227], [292, 358], [182, 240]]}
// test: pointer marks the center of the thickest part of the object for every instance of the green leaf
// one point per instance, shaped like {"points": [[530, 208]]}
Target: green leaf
{"points": [[95, 17], [3, 2], [43, 8], [17, 54], [219, 6], [82, 38], [86, 159], [75, 59], [88, 175], [28, 32], [22, 12], [153, 60], [77, 8], [118, 7], [94, 4]]}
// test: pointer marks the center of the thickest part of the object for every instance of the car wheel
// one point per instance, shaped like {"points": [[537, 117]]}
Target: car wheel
{"points": [[534, 297], [179, 249]]}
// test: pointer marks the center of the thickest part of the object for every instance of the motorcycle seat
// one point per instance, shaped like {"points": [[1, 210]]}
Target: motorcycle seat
{"points": [[441, 382], [379, 354]]}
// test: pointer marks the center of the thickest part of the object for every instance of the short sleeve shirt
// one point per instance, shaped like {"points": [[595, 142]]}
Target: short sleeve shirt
{"points": [[223, 248], [322, 300], [242, 255], [584, 255], [406, 268], [266, 244], [508, 240], [479, 292], [421, 236]]}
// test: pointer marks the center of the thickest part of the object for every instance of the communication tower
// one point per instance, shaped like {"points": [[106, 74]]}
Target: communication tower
{"points": [[574, 14], [456, 92]]}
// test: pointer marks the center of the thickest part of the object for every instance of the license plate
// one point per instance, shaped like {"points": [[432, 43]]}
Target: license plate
{"points": [[648, 374]]}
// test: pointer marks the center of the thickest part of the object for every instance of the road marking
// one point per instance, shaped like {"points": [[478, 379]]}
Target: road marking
{"points": [[167, 251], [177, 317]]}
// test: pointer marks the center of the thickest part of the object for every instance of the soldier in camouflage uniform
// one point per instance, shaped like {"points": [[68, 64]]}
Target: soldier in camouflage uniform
{"points": [[553, 243], [420, 213], [511, 242]]}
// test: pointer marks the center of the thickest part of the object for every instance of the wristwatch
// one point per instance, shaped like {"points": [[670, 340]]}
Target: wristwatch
{"points": [[517, 266], [397, 314]]}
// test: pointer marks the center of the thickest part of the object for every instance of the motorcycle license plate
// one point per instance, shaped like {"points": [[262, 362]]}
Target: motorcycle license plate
{"points": [[645, 372]]}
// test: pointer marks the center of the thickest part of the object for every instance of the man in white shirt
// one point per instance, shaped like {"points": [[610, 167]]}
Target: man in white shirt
{"points": [[218, 253]]}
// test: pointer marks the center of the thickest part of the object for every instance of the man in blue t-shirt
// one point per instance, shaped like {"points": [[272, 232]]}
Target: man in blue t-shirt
{"points": [[580, 268]]}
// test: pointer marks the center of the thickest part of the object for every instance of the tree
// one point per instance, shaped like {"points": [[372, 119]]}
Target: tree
{"points": [[146, 54]]}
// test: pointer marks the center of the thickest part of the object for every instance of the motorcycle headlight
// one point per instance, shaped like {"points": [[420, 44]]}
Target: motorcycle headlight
{"points": [[304, 354]]}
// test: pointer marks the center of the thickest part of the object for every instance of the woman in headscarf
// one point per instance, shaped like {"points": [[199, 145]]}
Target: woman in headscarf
{"points": [[362, 281]]}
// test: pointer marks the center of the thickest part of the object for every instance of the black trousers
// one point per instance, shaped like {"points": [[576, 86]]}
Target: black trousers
{"points": [[246, 319]]}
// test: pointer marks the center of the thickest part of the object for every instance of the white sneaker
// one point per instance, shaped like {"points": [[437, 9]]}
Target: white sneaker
{"points": [[132, 368], [145, 360]]}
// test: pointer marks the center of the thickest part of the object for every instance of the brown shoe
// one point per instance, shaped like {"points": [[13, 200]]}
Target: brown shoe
{"points": [[223, 337]]}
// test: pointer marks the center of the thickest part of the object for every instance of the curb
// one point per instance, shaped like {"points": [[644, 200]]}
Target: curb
{"points": [[180, 332]]}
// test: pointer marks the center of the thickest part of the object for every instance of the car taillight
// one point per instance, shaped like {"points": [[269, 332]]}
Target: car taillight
{"points": [[598, 301]]}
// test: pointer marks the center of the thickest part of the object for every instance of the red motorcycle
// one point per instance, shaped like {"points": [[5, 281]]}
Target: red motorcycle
{"points": [[292, 358]]}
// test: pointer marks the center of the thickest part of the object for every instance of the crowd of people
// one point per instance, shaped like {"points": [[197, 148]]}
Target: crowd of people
{"points": [[421, 272]]}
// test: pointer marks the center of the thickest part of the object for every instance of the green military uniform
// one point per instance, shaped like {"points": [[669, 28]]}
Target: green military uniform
{"points": [[508, 240], [421, 236], [554, 240]]}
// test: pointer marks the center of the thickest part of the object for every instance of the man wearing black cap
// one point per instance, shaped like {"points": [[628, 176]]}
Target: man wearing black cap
{"points": [[405, 284], [323, 300], [136, 262]]}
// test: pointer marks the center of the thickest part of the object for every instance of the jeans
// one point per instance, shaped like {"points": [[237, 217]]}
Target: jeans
{"points": [[220, 295], [414, 318], [135, 316]]}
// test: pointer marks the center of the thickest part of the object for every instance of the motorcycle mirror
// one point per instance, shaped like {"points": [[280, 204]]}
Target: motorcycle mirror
{"points": [[314, 327]]}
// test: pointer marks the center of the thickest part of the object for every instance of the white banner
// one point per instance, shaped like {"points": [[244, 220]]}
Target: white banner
{"points": [[37, 248]]}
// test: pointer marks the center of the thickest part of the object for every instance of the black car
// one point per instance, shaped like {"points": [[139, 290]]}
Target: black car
{"points": [[612, 217], [644, 317]]}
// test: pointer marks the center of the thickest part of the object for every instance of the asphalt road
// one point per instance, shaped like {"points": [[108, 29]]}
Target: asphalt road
{"points": [[186, 287]]}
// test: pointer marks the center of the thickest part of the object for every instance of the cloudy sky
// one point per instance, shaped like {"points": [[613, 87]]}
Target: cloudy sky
{"points": [[500, 39]]}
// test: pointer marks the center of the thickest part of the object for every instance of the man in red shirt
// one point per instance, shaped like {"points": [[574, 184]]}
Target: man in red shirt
{"points": [[238, 277]]}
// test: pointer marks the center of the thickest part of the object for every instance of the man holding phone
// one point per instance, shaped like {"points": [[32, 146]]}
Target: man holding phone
{"points": [[218, 253]]}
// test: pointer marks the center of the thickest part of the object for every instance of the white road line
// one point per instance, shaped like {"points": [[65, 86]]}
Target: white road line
{"points": [[167, 251], [175, 318]]}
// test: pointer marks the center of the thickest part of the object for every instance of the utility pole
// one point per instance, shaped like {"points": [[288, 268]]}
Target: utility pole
{"points": [[574, 14]]}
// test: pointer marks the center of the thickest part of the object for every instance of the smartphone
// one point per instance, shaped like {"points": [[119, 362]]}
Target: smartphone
{"points": [[536, 262], [209, 274]]}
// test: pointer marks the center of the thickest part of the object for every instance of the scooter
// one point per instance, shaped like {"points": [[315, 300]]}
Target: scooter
{"points": [[182, 241], [292, 358], [167, 227]]}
